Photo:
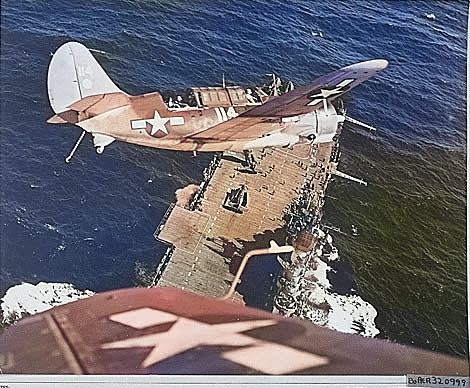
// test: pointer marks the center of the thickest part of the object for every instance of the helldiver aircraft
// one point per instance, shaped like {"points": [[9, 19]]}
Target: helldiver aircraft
{"points": [[208, 119]]}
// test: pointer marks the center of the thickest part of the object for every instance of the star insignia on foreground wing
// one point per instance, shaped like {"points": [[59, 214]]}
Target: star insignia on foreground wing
{"points": [[330, 92], [186, 334]]}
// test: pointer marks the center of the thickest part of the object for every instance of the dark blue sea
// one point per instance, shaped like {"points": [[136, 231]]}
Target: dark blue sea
{"points": [[91, 222]]}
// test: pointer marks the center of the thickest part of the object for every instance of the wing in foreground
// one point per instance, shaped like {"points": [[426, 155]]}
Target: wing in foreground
{"points": [[170, 331]]}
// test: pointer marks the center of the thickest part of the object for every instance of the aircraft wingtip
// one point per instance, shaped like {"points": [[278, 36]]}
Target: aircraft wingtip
{"points": [[381, 63], [371, 65]]}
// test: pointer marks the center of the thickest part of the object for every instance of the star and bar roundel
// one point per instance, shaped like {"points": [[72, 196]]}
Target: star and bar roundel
{"points": [[330, 92], [158, 126], [185, 334]]}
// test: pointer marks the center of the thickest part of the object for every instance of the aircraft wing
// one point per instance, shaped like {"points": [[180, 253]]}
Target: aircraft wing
{"points": [[261, 120], [238, 128], [170, 331]]}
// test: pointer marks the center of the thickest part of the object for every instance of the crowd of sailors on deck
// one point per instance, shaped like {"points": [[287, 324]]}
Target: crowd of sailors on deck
{"points": [[207, 174], [302, 212]]}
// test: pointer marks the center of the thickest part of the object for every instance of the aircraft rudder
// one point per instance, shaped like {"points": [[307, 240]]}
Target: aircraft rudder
{"points": [[75, 74]]}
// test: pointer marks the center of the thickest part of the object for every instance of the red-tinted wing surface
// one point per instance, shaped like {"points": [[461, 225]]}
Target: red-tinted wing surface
{"points": [[259, 120], [169, 331]]}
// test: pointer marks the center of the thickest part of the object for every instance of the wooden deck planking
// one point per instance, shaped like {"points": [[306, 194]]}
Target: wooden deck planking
{"points": [[206, 240]]}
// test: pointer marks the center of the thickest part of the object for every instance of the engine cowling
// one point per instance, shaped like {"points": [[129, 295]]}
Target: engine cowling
{"points": [[319, 126]]}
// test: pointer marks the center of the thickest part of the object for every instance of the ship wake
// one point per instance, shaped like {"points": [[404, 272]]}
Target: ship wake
{"points": [[305, 291]]}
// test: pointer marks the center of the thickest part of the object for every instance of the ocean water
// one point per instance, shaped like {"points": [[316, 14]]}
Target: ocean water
{"points": [[90, 222]]}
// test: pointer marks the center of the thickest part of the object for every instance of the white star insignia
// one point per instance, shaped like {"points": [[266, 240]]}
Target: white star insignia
{"points": [[187, 334], [326, 93], [158, 123], [154, 125]]}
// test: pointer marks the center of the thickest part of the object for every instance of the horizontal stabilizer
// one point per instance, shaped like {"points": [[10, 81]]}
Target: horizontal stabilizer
{"points": [[86, 102], [101, 103], [68, 116], [56, 119]]}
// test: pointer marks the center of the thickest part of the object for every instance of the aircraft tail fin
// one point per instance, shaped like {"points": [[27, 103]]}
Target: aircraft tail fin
{"points": [[74, 74]]}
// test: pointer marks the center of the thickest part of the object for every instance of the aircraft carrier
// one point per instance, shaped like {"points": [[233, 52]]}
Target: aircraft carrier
{"points": [[277, 194]]}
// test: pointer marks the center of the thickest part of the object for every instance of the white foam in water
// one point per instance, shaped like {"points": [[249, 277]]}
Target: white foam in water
{"points": [[30, 299], [350, 314], [308, 294]]}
